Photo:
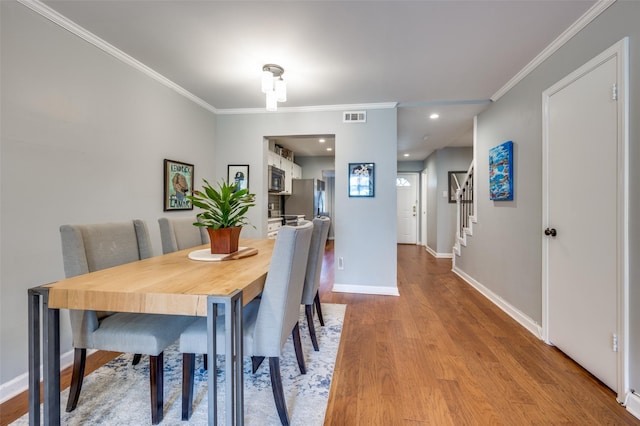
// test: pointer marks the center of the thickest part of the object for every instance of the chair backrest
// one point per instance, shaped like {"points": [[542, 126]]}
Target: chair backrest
{"points": [[280, 303], [88, 248], [179, 233], [314, 263]]}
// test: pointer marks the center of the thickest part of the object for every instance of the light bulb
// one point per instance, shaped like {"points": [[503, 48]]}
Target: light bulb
{"points": [[272, 101], [281, 90], [267, 81]]}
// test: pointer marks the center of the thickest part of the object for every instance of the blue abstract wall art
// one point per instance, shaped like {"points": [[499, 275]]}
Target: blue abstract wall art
{"points": [[501, 172]]}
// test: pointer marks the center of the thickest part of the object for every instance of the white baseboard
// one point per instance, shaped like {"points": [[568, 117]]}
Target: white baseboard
{"points": [[366, 289], [438, 255], [633, 404], [21, 383], [524, 320]]}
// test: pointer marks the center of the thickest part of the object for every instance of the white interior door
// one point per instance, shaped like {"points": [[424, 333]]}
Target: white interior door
{"points": [[407, 189], [583, 192]]}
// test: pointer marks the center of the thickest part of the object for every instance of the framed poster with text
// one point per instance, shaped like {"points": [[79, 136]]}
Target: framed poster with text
{"points": [[178, 183]]}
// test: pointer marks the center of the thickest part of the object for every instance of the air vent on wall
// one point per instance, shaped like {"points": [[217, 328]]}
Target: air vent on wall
{"points": [[354, 117]]}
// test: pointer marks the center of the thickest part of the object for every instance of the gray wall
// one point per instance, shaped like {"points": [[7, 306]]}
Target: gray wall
{"points": [[312, 167], [410, 166], [83, 138], [441, 215], [505, 251], [431, 164], [358, 222]]}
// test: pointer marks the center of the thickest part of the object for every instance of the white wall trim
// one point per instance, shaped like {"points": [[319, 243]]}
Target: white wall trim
{"points": [[21, 383], [316, 108], [595, 10], [633, 404], [438, 255], [366, 289], [528, 323], [91, 38]]}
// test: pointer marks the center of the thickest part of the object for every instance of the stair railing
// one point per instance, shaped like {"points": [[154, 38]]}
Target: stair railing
{"points": [[465, 205]]}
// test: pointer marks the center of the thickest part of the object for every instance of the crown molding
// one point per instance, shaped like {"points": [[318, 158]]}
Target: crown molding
{"points": [[595, 10], [444, 103], [317, 108], [77, 30]]}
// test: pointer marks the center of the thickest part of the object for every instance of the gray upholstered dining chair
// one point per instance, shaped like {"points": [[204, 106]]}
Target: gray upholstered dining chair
{"points": [[310, 295], [179, 233], [267, 322], [88, 248]]}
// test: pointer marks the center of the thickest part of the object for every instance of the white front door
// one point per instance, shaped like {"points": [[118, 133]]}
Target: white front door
{"points": [[407, 189], [583, 215]]}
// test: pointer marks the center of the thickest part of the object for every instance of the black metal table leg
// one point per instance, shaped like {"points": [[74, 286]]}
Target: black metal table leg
{"points": [[51, 358], [234, 398], [34, 357]]}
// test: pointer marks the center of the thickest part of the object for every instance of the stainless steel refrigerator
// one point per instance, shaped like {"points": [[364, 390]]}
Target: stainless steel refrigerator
{"points": [[308, 197]]}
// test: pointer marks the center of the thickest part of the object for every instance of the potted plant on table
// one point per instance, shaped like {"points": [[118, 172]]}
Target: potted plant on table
{"points": [[224, 213]]}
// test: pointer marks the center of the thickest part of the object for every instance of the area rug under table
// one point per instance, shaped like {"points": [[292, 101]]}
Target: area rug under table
{"points": [[118, 392]]}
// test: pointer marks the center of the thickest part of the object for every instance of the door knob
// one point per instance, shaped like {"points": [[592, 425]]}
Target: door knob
{"points": [[551, 232]]}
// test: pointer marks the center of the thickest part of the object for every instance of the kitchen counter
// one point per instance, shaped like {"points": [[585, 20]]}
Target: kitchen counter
{"points": [[275, 223]]}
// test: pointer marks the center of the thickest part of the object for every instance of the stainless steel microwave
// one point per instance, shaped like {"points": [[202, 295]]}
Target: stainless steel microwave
{"points": [[276, 179]]}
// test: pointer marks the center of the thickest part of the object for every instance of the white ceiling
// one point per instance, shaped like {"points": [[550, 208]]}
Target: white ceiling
{"points": [[446, 56]]}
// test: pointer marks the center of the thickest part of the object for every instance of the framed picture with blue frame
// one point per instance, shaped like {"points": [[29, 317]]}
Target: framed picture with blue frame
{"points": [[362, 180], [501, 172]]}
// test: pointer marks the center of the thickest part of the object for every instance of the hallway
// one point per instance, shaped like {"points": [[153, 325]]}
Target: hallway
{"points": [[442, 354]]}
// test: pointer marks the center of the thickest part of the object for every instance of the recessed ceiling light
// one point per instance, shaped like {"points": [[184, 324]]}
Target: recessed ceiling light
{"points": [[406, 155], [321, 141], [329, 149], [434, 115]]}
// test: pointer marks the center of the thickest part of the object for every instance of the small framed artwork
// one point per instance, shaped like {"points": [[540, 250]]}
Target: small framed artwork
{"points": [[238, 174], [178, 183], [501, 172], [362, 180], [456, 179]]}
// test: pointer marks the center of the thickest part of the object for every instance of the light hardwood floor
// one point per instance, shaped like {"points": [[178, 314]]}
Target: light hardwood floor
{"points": [[441, 354]]}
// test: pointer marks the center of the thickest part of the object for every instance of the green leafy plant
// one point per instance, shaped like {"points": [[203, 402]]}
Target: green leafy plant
{"points": [[224, 207]]}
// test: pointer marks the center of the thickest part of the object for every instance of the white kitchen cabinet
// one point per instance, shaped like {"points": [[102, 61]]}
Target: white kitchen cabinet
{"points": [[273, 159], [291, 170], [273, 226], [287, 166], [296, 172]]}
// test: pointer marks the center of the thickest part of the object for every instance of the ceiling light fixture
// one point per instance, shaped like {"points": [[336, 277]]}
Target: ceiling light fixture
{"points": [[434, 115], [406, 155], [273, 86], [321, 140]]}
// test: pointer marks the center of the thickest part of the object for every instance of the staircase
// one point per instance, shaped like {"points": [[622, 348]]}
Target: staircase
{"points": [[466, 211]]}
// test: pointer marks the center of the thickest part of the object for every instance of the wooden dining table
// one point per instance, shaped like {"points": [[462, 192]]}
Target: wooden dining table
{"points": [[169, 284]]}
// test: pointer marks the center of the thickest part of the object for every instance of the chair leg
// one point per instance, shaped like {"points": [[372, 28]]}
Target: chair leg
{"points": [[278, 393], [156, 377], [136, 359], [188, 365], [255, 363], [312, 328], [318, 308], [79, 362], [297, 345]]}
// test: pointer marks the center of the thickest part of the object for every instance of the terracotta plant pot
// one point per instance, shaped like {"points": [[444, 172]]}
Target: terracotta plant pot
{"points": [[224, 240]]}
